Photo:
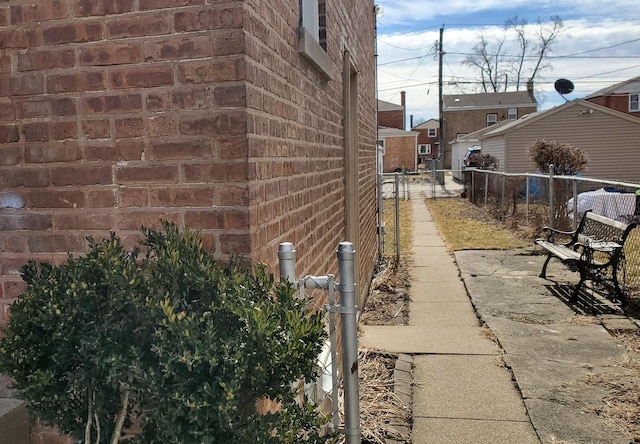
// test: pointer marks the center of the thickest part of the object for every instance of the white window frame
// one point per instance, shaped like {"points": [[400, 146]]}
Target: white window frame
{"points": [[424, 149], [309, 39], [492, 119], [634, 102], [432, 132], [309, 18], [512, 113]]}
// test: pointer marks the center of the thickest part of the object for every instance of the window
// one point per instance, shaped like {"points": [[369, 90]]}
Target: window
{"points": [[424, 148], [512, 113], [492, 119], [634, 105], [312, 36], [432, 132]]}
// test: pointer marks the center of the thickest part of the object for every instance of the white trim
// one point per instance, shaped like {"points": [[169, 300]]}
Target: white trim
{"points": [[634, 105]]}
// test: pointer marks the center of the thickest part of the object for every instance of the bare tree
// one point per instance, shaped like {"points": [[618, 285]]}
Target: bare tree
{"points": [[497, 70]]}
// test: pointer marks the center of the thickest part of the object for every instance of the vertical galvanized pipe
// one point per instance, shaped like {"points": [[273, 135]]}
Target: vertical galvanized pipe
{"points": [[473, 186], [346, 265], [502, 190], [486, 188], [575, 204], [551, 199], [287, 262], [397, 218], [526, 199]]}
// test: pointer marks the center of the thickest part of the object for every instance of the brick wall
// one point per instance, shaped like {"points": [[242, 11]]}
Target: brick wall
{"points": [[296, 137], [399, 152], [391, 119], [117, 114], [618, 102]]}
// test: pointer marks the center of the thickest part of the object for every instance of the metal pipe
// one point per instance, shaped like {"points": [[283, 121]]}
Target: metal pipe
{"points": [[502, 190], [397, 218], [486, 188], [287, 262], [575, 204], [346, 265], [551, 199], [526, 199]]}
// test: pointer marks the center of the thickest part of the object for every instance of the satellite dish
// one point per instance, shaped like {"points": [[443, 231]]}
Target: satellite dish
{"points": [[563, 86]]}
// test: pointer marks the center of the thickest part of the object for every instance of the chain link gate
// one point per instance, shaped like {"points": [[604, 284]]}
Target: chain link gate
{"points": [[325, 390]]}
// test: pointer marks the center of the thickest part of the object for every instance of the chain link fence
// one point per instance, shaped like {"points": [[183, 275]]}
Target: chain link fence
{"points": [[335, 392], [394, 188], [539, 200]]}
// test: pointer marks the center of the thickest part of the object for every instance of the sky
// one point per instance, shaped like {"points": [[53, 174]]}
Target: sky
{"points": [[598, 46]]}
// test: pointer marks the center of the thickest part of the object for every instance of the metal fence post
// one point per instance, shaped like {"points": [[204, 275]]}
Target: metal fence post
{"points": [[575, 203], [551, 199], [526, 202], [397, 218], [473, 185], [486, 188], [502, 185], [287, 262], [346, 265]]}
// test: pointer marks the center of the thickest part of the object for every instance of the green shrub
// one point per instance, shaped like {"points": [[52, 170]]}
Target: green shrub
{"points": [[174, 338]]}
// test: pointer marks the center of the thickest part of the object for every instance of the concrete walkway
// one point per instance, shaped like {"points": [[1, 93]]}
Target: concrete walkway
{"points": [[499, 355], [462, 393]]}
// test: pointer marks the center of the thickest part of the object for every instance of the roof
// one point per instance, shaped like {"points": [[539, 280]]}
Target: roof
{"points": [[476, 135], [385, 131], [388, 106], [427, 124], [459, 102], [631, 85], [534, 117]]}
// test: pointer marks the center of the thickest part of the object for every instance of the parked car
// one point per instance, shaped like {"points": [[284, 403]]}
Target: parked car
{"points": [[467, 160]]}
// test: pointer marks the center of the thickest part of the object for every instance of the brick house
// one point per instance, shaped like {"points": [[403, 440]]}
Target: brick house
{"points": [[466, 113], [399, 149], [391, 115], [623, 97], [428, 139], [251, 121]]}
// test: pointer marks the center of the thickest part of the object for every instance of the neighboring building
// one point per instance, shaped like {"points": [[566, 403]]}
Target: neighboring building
{"points": [[609, 138], [461, 144], [466, 113], [623, 97], [400, 149], [225, 117], [391, 115], [428, 140]]}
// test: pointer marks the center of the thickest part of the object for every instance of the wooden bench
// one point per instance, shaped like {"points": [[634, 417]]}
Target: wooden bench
{"points": [[595, 249]]}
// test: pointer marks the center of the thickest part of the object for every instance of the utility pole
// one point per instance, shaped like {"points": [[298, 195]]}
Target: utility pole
{"points": [[441, 147]]}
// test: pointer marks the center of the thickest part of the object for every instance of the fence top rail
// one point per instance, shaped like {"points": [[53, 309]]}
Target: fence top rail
{"points": [[546, 176]]}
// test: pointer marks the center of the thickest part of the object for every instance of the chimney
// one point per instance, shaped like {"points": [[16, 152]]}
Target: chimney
{"points": [[411, 121], [404, 110], [530, 89]]}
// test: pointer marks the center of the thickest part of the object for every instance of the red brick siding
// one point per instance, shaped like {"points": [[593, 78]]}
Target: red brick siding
{"points": [[391, 119], [399, 152], [457, 122], [296, 174], [119, 113], [618, 102]]}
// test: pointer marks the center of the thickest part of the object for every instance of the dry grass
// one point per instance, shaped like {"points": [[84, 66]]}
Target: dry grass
{"points": [[383, 414], [466, 227], [406, 226]]}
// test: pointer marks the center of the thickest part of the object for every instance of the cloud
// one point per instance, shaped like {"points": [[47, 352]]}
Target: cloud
{"points": [[592, 53]]}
